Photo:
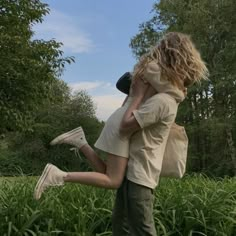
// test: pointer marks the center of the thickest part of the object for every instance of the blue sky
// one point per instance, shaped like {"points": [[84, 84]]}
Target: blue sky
{"points": [[97, 34]]}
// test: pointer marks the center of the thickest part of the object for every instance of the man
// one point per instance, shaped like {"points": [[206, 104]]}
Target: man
{"points": [[150, 124]]}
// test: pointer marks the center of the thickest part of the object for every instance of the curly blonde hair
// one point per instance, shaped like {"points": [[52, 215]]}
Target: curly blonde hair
{"points": [[179, 60]]}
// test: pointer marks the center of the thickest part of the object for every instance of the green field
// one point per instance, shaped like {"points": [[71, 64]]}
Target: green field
{"points": [[191, 206]]}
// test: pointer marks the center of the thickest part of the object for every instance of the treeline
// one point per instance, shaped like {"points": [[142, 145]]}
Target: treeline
{"points": [[209, 111], [35, 105]]}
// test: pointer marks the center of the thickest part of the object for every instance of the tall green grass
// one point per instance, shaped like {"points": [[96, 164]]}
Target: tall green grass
{"points": [[196, 206], [191, 206]]}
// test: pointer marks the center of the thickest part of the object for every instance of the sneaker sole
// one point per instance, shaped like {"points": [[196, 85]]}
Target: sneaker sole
{"points": [[59, 139], [41, 181]]}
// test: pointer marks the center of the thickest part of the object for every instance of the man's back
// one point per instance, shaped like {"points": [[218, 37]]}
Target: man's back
{"points": [[147, 145]]}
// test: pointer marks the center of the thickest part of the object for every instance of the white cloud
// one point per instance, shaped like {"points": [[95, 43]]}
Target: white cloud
{"points": [[106, 98], [61, 27], [107, 104], [85, 85]]}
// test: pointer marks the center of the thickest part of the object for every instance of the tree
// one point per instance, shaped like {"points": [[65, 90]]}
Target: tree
{"points": [[28, 68], [209, 110], [30, 151], [33, 99]]}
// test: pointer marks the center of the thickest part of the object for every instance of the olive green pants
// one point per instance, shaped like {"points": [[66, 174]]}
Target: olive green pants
{"points": [[133, 211]]}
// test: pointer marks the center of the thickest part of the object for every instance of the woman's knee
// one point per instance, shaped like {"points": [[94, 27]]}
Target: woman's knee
{"points": [[116, 182], [116, 167]]}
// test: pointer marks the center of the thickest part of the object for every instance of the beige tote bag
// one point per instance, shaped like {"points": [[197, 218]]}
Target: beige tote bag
{"points": [[175, 156]]}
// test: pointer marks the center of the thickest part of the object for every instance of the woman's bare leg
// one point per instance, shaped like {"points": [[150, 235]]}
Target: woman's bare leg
{"points": [[94, 160], [115, 171], [112, 179], [76, 138]]}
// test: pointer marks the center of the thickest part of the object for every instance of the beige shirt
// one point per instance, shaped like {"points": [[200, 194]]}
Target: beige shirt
{"points": [[155, 117]]}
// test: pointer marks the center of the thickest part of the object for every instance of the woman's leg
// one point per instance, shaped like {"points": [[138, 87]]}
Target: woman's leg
{"points": [[94, 160], [77, 139], [112, 179]]}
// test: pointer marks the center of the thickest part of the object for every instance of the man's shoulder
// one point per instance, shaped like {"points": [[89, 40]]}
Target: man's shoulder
{"points": [[165, 104], [163, 98]]}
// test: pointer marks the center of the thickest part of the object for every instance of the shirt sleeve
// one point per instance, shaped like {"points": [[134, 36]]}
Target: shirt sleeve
{"points": [[152, 74], [150, 112]]}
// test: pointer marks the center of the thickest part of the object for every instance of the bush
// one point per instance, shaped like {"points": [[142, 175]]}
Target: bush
{"points": [[29, 151]]}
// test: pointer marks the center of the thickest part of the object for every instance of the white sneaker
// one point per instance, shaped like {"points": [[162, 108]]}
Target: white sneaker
{"points": [[74, 137], [51, 176]]}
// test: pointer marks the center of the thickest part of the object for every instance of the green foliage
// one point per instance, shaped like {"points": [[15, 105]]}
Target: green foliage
{"points": [[29, 151], [67, 211], [28, 68], [194, 206], [209, 110], [35, 105]]}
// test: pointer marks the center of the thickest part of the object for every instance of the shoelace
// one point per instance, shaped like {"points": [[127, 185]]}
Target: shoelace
{"points": [[76, 152]]}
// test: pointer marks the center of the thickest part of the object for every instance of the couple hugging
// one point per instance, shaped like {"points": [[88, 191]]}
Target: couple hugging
{"points": [[135, 135]]}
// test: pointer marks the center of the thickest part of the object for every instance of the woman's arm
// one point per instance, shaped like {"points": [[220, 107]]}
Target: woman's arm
{"points": [[129, 124], [126, 98], [149, 93]]}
